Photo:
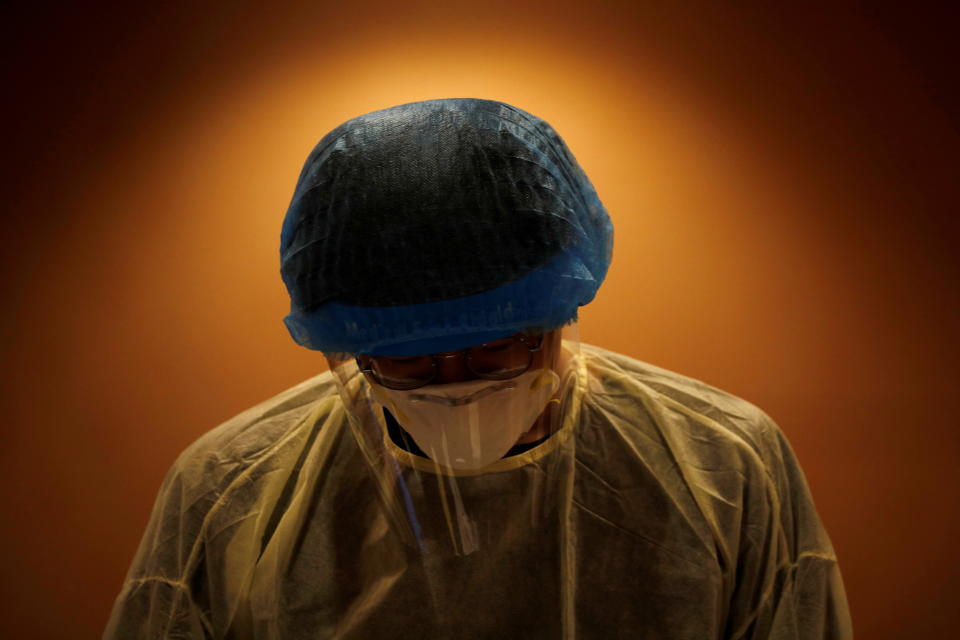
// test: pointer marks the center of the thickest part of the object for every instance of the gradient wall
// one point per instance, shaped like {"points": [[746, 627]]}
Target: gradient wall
{"points": [[783, 186]]}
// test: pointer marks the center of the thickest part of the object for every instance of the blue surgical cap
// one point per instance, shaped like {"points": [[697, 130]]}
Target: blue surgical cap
{"points": [[437, 225]]}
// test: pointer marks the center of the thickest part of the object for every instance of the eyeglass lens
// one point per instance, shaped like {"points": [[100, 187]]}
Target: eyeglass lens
{"points": [[498, 360]]}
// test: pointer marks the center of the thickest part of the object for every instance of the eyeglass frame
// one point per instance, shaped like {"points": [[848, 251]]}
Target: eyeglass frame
{"points": [[435, 358]]}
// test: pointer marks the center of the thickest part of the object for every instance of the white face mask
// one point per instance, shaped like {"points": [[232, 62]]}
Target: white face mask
{"points": [[468, 425]]}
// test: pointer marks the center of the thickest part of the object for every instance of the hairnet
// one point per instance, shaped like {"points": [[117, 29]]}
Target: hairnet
{"points": [[436, 225]]}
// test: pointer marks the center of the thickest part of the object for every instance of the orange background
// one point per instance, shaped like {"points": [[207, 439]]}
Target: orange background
{"points": [[782, 183]]}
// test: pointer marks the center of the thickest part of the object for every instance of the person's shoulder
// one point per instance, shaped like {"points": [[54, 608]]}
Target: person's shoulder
{"points": [[701, 411], [255, 433]]}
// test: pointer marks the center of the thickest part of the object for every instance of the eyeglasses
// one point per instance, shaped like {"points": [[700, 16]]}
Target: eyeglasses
{"points": [[498, 360]]}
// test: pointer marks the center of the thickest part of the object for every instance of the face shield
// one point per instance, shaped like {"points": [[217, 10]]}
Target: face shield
{"points": [[461, 462]]}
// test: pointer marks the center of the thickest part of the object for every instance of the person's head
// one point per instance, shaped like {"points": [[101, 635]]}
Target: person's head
{"points": [[437, 226]]}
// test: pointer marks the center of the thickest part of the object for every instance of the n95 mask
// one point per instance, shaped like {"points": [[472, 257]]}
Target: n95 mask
{"points": [[468, 425]]}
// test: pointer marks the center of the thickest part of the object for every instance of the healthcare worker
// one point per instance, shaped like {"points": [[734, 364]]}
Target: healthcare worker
{"points": [[467, 469]]}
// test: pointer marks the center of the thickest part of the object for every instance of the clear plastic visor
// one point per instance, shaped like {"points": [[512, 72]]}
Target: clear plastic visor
{"points": [[467, 447]]}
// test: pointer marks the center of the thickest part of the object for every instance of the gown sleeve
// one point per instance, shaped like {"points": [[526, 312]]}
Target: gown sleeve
{"points": [[788, 584], [158, 599]]}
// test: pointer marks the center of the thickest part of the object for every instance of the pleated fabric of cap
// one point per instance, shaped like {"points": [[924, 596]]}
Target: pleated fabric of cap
{"points": [[436, 225]]}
